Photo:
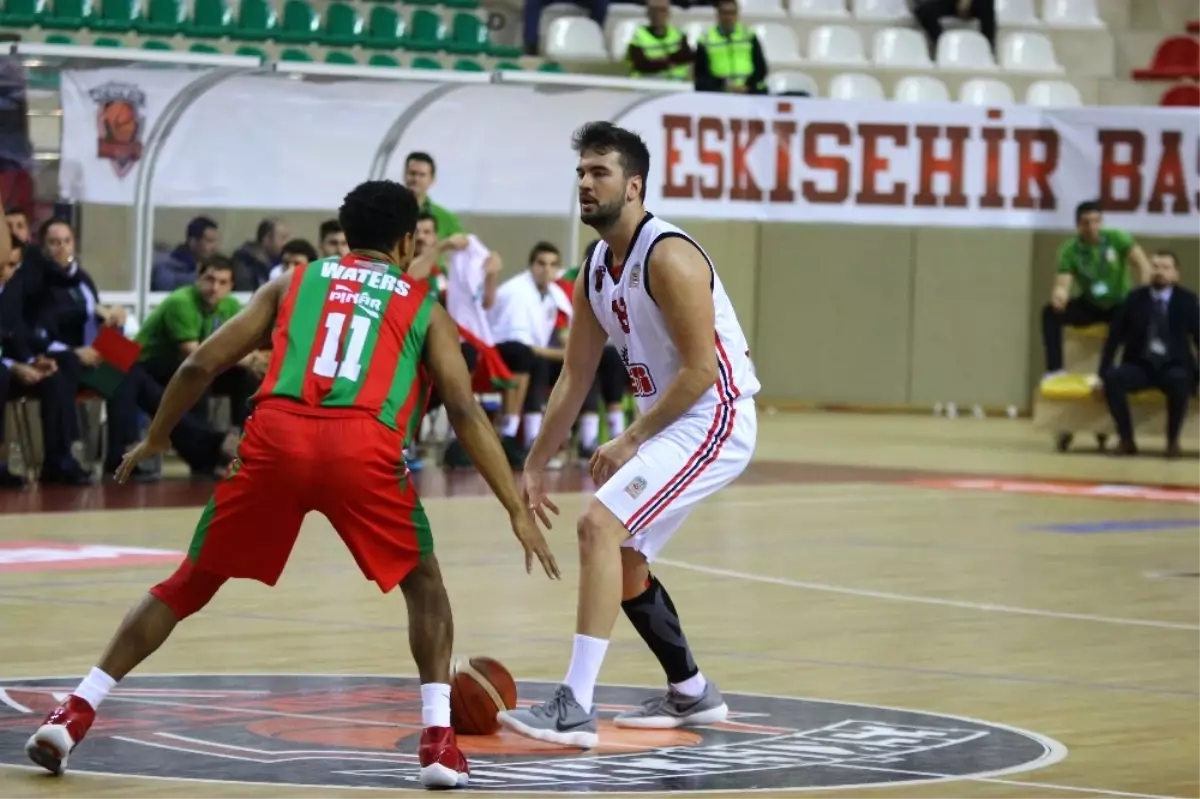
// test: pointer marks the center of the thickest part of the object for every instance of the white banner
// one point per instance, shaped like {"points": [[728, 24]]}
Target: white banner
{"points": [[272, 143]]}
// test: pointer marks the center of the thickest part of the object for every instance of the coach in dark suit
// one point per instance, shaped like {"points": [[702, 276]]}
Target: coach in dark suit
{"points": [[1155, 329]]}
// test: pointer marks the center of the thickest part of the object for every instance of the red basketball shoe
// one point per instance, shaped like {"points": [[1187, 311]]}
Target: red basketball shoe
{"points": [[60, 733], [443, 765]]}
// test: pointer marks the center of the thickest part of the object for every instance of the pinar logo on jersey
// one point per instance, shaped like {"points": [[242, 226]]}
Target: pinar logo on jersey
{"points": [[120, 124]]}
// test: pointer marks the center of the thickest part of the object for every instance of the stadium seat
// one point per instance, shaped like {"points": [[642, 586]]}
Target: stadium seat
{"points": [[1071, 14], [966, 50], [575, 38], [157, 44], [464, 5], [468, 35], [552, 67], [1052, 94], [1022, 51], [1176, 57], [855, 86], [507, 66], [1016, 12], [1185, 95], [882, 10], [835, 44], [211, 19], [468, 65], [426, 32], [383, 60], [204, 49], [694, 31], [343, 25], [107, 41], [901, 47], [117, 16], [68, 15], [761, 8], [425, 62], [251, 52], [343, 57], [385, 28], [295, 54], [920, 89], [819, 9], [505, 50], [1068, 404], [622, 34], [22, 13], [778, 43], [256, 21], [300, 23], [788, 82], [165, 17], [986, 91], [59, 38]]}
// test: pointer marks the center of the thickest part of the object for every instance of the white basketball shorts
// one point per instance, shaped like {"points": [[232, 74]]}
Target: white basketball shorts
{"points": [[692, 459]]}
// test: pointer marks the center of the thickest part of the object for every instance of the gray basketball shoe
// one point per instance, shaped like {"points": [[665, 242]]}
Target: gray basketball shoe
{"points": [[674, 709], [561, 720]]}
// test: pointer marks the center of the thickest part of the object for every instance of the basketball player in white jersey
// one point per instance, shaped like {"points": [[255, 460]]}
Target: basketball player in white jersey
{"points": [[653, 291]]}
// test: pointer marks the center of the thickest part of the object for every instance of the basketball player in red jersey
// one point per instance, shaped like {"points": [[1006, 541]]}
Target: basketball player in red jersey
{"points": [[344, 389]]}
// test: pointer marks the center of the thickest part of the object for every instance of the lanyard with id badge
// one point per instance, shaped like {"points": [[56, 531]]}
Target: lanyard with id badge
{"points": [[1106, 257]]}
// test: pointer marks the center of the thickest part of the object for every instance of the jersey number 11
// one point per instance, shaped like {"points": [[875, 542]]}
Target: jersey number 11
{"points": [[327, 364]]}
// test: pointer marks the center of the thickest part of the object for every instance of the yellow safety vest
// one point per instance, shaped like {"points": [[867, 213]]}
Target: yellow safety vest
{"points": [[661, 49], [730, 57]]}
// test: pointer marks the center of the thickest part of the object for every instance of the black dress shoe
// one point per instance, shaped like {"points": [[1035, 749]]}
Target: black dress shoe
{"points": [[69, 474]]}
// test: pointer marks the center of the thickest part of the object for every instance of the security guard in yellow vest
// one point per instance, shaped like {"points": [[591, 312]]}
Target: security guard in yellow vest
{"points": [[659, 49], [729, 57]]}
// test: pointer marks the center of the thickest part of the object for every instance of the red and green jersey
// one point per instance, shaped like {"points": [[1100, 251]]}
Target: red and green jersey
{"points": [[350, 334]]}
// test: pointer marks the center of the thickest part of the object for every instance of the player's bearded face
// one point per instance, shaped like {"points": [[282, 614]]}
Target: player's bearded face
{"points": [[600, 213]]}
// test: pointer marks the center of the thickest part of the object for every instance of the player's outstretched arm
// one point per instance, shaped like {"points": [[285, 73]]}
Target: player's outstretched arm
{"points": [[581, 358], [443, 357]]}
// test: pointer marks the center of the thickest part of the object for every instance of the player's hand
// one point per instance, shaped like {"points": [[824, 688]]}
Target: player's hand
{"points": [[610, 457], [534, 543], [533, 493], [143, 451], [1058, 300], [88, 356]]}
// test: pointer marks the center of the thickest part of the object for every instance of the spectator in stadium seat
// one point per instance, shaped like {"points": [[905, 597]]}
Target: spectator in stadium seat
{"points": [[24, 374], [18, 225], [1156, 329], [729, 58], [532, 17], [659, 49], [252, 261], [296, 252], [1096, 262], [178, 268], [185, 318], [929, 13], [333, 239]]}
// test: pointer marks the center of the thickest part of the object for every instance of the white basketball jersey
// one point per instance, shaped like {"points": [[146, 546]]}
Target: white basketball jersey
{"points": [[621, 300]]}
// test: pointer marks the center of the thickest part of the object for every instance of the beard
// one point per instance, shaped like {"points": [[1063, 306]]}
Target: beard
{"points": [[1158, 281], [605, 215]]}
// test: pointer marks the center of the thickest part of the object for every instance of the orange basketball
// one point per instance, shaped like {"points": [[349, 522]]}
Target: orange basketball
{"points": [[120, 120], [479, 689]]}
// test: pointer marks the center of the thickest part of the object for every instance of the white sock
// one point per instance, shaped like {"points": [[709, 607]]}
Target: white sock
{"points": [[509, 425], [435, 704], [589, 430], [533, 425], [95, 687], [586, 658], [692, 686], [616, 423]]}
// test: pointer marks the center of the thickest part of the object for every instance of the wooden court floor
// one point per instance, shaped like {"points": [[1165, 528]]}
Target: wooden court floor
{"points": [[1042, 640]]}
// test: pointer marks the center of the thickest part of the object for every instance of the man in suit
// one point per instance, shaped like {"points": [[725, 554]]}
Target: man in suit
{"points": [[1155, 329]]}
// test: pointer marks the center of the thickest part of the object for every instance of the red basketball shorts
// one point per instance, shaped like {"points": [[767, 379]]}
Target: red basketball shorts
{"points": [[292, 460]]}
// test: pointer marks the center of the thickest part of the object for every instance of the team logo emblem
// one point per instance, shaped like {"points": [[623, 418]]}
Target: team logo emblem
{"points": [[636, 486], [635, 276], [120, 124], [330, 732]]}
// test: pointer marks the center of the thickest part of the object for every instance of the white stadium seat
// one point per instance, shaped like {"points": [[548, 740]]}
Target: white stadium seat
{"points": [[819, 9], [855, 86], [986, 91], [835, 44], [622, 34], [1023, 51], [1053, 94], [694, 31], [761, 8], [1072, 14], [778, 43], [1016, 12], [920, 89], [784, 81], [575, 39], [966, 50], [882, 10], [901, 47]]}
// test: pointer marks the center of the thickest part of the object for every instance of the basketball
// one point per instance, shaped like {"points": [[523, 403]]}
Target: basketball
{"points": [[479, 689], [120, 122]]}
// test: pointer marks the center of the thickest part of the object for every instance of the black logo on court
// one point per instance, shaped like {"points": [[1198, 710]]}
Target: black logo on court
{"points": [[362, 731]]}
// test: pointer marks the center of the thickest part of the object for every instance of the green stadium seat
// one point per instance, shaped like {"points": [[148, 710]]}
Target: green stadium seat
{"points": [[211, 19], [60, 38], [157, 44], [550, 66], [251, 52], [426, 32], [425, 62], [468, 65], [383, 60], [163, 17], [343, 26], [508, 66], [464, 5], [505, 51], [117, 16], [341, 57], [107, 41], [295, 54], [300, 23], [256, 21], [468, 35], [204, 49], [22, 13], [385, 28], [68, 15]]}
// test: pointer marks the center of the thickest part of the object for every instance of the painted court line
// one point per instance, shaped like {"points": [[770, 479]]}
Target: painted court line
{"points": [[925, 600]]}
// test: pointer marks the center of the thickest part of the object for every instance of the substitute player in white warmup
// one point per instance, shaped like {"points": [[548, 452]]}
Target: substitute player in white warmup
{"points": [[653, 291]]}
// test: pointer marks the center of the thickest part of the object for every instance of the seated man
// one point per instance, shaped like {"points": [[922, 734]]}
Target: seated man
{"points": [[929, 14], [185, 318], [297, 252], [1155, 329]]}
